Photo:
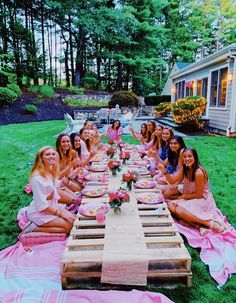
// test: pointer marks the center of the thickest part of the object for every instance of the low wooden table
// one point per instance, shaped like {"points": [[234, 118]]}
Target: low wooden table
{"points": [[168, 259]]}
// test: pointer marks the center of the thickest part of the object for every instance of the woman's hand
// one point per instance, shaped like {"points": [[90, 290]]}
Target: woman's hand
{"points": [[65, 214], [151, 153], [161, 167]]}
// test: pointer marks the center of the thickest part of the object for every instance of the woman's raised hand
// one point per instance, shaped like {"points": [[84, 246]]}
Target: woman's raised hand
{"points": [[161, 167]]}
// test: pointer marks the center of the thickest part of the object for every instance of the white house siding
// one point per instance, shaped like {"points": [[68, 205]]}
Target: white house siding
{"points": [[218, 117]]}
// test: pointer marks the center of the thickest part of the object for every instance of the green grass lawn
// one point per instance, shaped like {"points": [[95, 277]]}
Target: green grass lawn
{"points": [[19, 144]]}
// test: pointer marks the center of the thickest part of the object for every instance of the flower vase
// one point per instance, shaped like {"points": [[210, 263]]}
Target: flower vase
{"points": [[117, 209], [114, 172], [129, 186]]}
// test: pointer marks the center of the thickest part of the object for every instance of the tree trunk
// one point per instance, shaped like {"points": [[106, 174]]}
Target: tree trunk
{"points": [[34, 52], [118, 85], [43, 42], [71, 53], [67, 65]]}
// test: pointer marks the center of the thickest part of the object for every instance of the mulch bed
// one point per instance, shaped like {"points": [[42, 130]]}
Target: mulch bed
{"points": [[48, 108]]}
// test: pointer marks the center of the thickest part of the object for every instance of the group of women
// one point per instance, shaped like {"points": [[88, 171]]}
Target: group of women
{"points": [[184, 181], [55, 176]]}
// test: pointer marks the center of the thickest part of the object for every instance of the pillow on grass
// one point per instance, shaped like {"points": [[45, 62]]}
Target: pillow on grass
{"points": [[34, 238]]}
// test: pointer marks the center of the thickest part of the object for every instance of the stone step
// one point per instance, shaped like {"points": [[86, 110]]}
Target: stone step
{"points": [[168, 123]]}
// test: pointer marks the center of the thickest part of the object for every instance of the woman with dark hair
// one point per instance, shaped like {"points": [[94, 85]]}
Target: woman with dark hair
{"points": [[174, 159], [114, 132], [75, 142], [167, 134], [142, 135], [68, 162], [44, 212], [86, 149], [196, 205], [151, 126]]}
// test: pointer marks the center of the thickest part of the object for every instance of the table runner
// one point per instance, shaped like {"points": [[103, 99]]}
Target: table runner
{"points": [[125, 254]]}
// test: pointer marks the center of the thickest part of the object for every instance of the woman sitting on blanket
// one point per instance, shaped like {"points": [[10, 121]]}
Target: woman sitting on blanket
{"points": [[174, 159], [114, 132], [68, 162], [195, 206], [44, 212]]}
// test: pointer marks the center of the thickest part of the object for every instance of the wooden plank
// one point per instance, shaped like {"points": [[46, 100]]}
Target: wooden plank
{"points": [[168, 254], [71, 243], [94, 256], [87, 232], [177, 239]]}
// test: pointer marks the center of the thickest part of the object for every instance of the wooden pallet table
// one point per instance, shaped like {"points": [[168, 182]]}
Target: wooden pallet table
{"points": [[168, 259]]}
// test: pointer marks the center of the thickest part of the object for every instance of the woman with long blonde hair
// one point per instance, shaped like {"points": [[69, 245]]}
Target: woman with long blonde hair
{"points": [[44, 212]]}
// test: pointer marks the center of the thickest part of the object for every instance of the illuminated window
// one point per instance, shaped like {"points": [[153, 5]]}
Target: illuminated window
{"points": [[219, 87]]}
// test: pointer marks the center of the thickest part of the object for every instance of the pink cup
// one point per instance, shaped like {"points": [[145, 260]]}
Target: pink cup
{"points": [[100, 216]]}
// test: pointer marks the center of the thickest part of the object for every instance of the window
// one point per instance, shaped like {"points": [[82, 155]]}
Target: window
{"points": [[189, 88], [179, 90], [219, 87], [202, 87]]}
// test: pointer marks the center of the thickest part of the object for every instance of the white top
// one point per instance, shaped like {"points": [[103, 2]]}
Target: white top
{"points": [[84, 151], [42, 188]]}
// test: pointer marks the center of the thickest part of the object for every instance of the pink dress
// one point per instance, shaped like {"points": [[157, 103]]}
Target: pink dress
{"points": [[203, 208], [115, 134], [42, 188]]}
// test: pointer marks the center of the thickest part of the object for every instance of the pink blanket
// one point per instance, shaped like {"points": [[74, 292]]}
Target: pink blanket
{"points": [[33, 275], [218, 251]]}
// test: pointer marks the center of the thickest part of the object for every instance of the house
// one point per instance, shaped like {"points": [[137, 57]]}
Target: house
{"points": [[214, 78]]}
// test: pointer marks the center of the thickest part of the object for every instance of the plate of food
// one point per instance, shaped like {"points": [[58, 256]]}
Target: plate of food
{"points": [[141, 162], [145, 184], [143, 172], [92, 208], [150, 198], [98, 168], [93, 193], [94, 177]]}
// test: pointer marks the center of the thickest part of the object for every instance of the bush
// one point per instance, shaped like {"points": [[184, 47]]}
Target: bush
{"points": [[90, 82], [30, 109], [7, 96], [124, 99], [76, 90], [188, 112], [83, 103], [34, 89], [157, 99], [47, 91], [163, 109], [15, 88]]}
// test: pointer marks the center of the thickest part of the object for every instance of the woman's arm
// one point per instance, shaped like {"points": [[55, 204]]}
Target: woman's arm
{"points": [[171, 178], [199, 181]]}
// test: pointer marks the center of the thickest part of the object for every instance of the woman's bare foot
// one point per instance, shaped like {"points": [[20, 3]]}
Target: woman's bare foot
{"points": [[217, 226]]}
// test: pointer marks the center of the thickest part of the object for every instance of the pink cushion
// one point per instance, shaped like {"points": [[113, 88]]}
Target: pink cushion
{"points": [[34, 238]]}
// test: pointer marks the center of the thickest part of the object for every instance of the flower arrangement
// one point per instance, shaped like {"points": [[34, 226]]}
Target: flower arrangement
{"points": [[124, 156], [111, 152], [114, 166], [117, 198], [130, 177]]}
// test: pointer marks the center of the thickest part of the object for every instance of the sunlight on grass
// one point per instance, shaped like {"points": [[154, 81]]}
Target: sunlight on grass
{"points": [[19, 144]]}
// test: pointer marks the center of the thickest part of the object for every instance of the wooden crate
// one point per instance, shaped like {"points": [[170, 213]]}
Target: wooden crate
{"points": [[169, 260]]}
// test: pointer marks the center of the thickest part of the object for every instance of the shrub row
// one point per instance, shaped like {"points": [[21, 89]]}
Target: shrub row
{"points": [[156, 99]]}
